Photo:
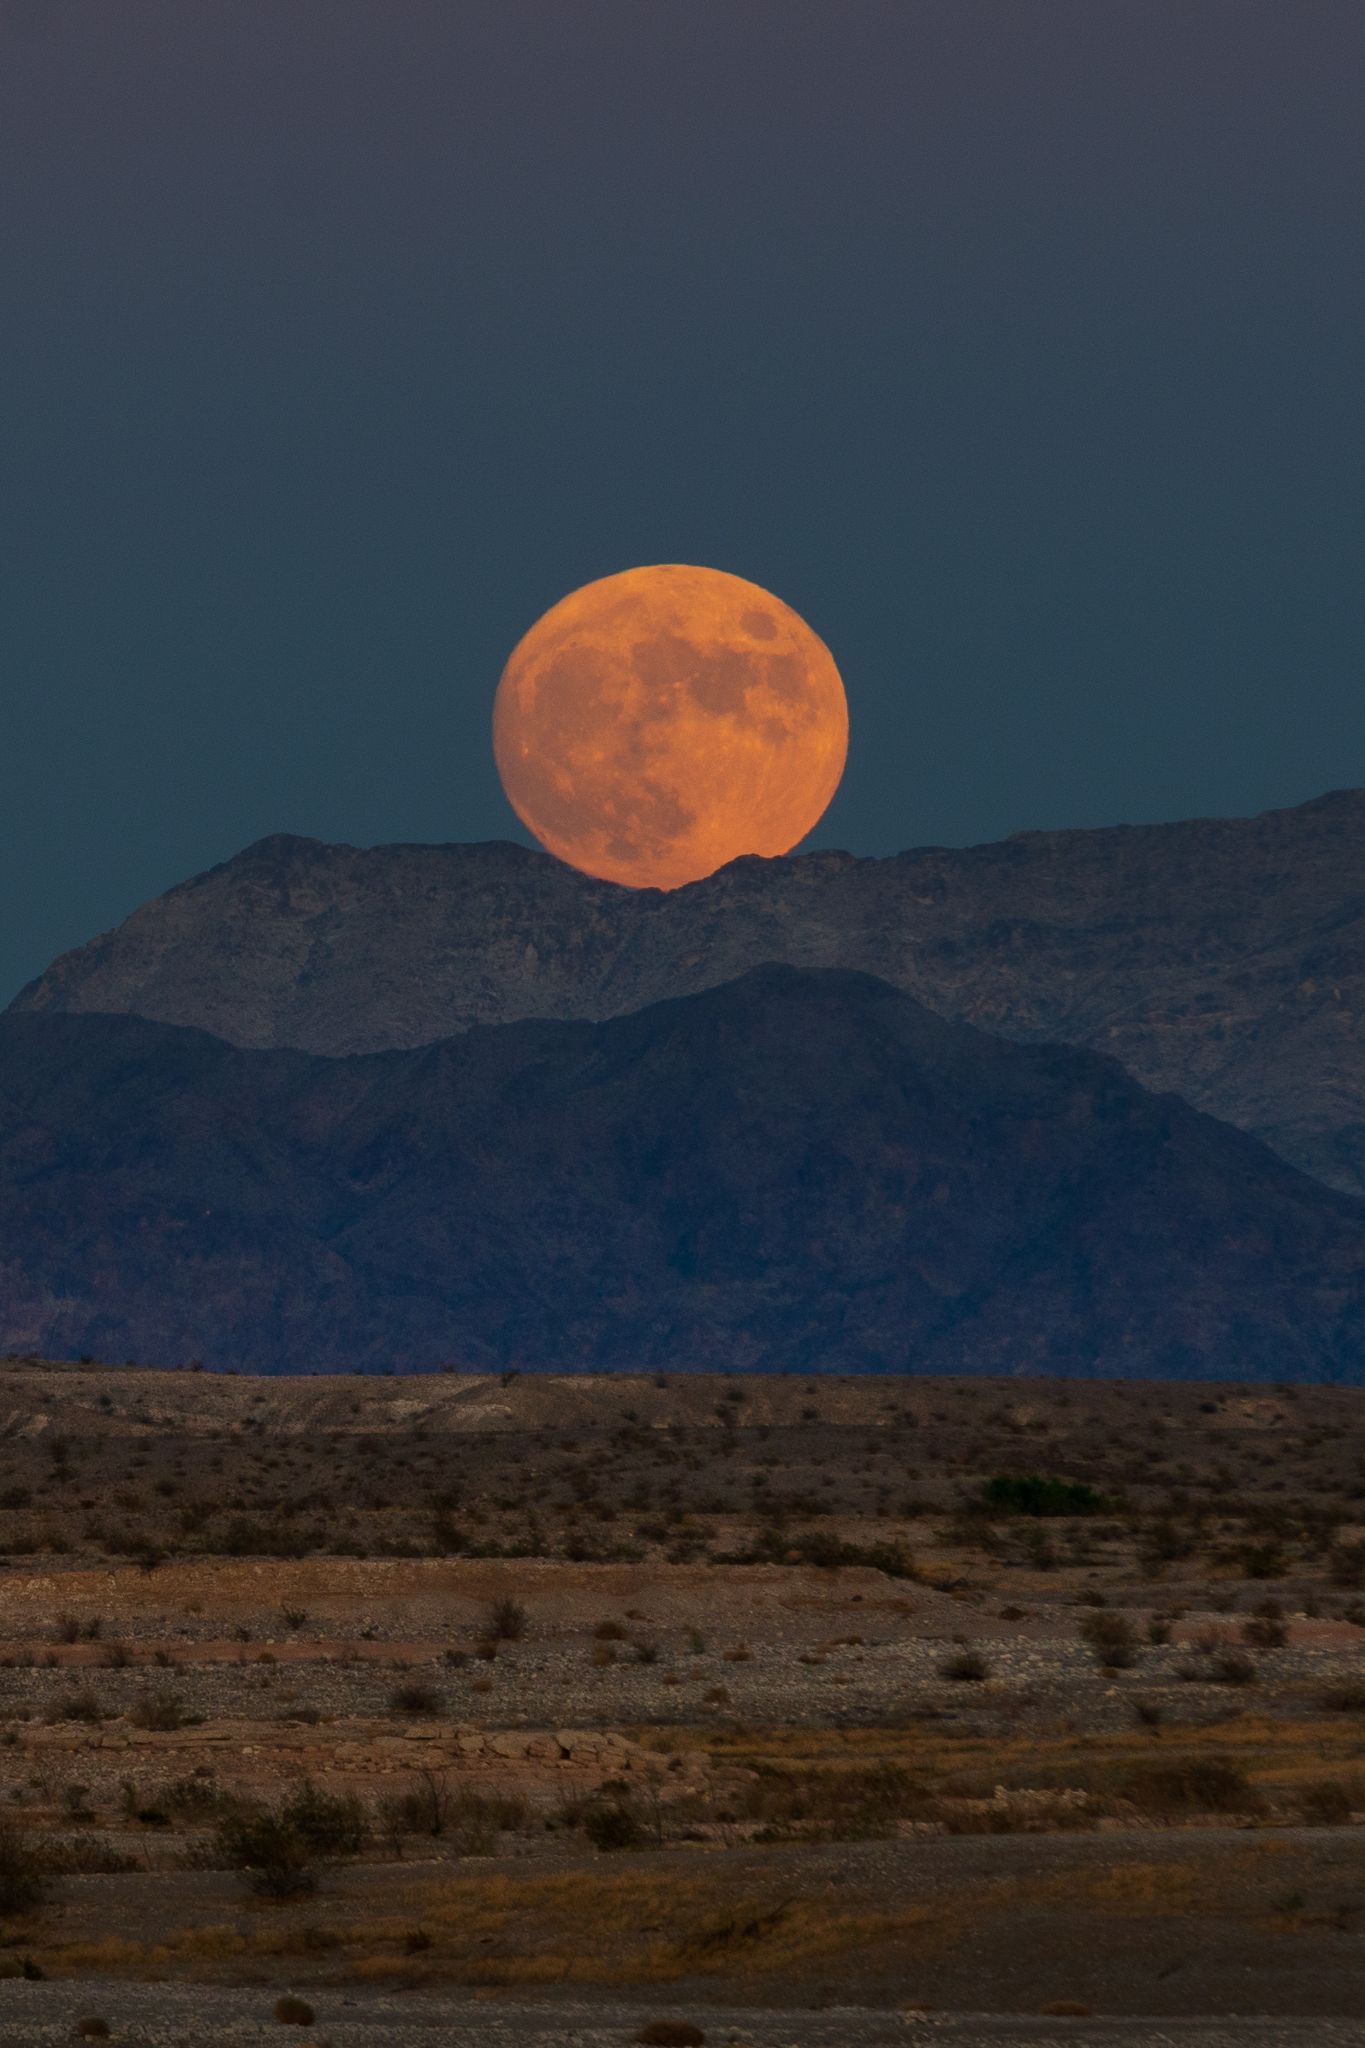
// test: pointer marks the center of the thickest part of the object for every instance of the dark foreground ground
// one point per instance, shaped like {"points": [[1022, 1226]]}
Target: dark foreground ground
{"points": [[160, 2016]]}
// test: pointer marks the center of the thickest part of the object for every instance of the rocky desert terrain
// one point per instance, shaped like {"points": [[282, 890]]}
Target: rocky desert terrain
{"points": [[780, 1709]]}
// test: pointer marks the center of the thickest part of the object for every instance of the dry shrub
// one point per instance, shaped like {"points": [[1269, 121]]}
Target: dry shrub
{"points": [[471, 1821], [22, 1873], [272, 1855], [836, 1804], [1331, 1802], [1196, 1785], [416, 1700], [611, 1820], [965, 1667], [378, 1969], [83, 1705], [328, 1823], [506, 1621], [1112, 1637], [158, 1709], [293, 2012]]}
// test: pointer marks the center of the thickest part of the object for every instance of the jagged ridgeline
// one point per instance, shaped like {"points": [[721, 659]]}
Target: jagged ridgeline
{"points": [[1224, 959]]}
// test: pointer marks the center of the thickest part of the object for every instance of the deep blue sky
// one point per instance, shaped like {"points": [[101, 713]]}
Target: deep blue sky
{"points": [[1016, 343]]}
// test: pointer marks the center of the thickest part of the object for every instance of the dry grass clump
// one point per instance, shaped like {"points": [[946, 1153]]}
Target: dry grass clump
{"points": [[1346, 1698], [1189, 1785], [1331, 1802], [834, 1803], [635, 1927], [505, 1621]]}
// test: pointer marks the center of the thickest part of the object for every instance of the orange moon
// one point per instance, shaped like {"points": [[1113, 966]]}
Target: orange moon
{"points": [[658, 723]]}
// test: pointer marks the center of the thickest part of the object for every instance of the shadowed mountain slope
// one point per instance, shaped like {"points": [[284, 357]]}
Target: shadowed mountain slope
{"points": [[796, 1170], [1224, 959]]}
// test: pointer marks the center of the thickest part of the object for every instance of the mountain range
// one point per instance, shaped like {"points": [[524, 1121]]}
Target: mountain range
{"points": [[795, 1170], [1078, 1102], [1223, 959]]}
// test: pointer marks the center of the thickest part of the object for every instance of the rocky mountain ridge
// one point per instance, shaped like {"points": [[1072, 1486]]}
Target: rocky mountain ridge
{"points": [[793, 1171], [1223, 959]]}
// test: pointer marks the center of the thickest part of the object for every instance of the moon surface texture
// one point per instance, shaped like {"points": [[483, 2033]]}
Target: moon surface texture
{"points": [[658, 723]]}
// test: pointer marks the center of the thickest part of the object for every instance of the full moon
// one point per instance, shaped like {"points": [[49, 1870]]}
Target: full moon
{"points": [[658, 723]]}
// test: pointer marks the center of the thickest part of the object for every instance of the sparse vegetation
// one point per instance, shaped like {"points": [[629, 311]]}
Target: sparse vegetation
{"points": [[269, 1851], [724, 1640]]}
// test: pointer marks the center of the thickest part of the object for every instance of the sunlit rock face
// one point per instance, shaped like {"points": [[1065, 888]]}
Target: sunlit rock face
{"points": [[1224, 958]]}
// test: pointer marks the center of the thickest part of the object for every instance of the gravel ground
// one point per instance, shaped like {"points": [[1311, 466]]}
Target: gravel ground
{"points": [[169, 2016], [859, 1684]]}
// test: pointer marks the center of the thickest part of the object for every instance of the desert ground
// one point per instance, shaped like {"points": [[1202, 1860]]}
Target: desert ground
{"points": [[513, 1708]]}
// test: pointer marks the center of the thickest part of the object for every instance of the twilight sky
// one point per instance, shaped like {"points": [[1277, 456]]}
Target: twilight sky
{"points": [[1017, 346]]}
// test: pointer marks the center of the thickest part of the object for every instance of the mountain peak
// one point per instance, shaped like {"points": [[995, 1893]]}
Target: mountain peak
{"points": [[1220, 958], [799, 1169]]}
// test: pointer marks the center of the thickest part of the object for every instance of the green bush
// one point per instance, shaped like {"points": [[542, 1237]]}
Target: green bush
{"points": [[1032, 1494]]}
